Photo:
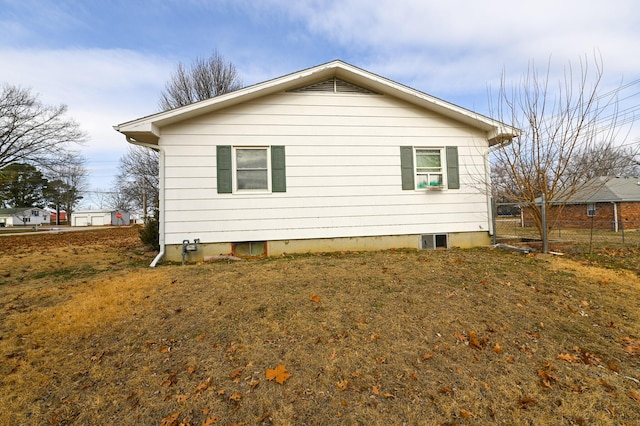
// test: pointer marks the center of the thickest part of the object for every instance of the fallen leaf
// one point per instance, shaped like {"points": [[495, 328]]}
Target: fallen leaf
{"points": [[427, 356], [466, 414], [569, 358], [607, 385], [191, 369], [236, 373], [525, 402], [547, 378], [182, 398], [135, 393], [211, 420], [171, 380], [314, 298], [497, 349], [201, 336], [203, 386], [473, 340], [235, 397], [632, 346], [460, 336], [447, 389], [634, 395], [280, 373], [578, 388], [172, 420], [343, 385], [375, 390], [263, 417]]}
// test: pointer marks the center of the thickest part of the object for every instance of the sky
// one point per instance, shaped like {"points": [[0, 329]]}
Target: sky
{"points": [[109, 60]]}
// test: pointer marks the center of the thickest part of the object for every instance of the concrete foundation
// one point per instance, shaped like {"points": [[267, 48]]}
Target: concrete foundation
{"points": [[173, 252]]}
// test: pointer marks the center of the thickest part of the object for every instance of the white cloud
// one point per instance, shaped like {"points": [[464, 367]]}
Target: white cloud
{"points": [[474, 40], [101, 88]]}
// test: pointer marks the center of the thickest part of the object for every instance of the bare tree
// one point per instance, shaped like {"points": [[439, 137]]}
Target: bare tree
{"points": [[607, 161], [204, 79], [32, 132], [67, 183], [569, 132], [137, 184]]}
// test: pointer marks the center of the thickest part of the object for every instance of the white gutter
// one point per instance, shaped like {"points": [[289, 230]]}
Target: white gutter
{"points": [[490, 203], [161, 197]]}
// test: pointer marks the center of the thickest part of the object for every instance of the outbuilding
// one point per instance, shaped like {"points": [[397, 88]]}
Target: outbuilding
{"points": [[100, 218]]}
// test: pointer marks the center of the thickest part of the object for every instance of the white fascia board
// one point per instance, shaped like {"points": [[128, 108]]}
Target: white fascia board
{"points": [[146, 129]]}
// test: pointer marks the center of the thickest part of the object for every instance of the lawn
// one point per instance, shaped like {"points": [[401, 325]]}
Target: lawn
{"points": [[90, 335]]}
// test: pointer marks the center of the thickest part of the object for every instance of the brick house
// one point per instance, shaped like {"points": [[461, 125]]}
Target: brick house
{"points": [[609, 203]]}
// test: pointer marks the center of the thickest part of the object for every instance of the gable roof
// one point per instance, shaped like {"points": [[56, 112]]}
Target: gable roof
{"points": [[607, 189], [14, 210], [147, 129]]}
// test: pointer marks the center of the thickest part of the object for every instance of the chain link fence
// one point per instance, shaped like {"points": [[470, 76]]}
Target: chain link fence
{"points": [[513, 225]]}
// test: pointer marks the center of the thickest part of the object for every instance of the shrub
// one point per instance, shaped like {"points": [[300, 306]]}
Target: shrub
{"points": [[150, 233]]}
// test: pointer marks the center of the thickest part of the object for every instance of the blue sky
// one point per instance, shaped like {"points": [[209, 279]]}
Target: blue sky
{"points": [[108, 60]]}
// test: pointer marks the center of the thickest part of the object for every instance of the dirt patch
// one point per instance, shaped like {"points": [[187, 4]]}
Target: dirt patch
{"points": [[441, 337]]}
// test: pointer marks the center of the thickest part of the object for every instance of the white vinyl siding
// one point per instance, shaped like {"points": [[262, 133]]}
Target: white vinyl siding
{"points": [[343, 175]]}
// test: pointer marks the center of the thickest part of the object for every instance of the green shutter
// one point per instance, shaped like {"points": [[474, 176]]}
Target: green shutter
{"points": [[225, 175], [453, 172], [406, 165], [278, 169]]}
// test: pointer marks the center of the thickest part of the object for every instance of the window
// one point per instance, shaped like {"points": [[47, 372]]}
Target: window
{"points": [[252, 170], [250, 249], [429, 172], [591, 210], [435, 167]]}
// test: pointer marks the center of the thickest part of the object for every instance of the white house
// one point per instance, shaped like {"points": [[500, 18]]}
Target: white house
{"points": [[23, 216], [328, 158], [99, 218]]}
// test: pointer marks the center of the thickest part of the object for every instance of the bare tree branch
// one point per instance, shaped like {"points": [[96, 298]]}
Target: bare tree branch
{"points": [[206, 78], [31, 132], [570, 133]]}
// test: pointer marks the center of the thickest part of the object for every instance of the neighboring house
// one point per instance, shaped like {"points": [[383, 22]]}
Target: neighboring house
{"points": [[602, 203], [100, 218], [326, 159], [23, 216]]}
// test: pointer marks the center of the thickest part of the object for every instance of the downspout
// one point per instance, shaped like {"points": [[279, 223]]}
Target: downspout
{"points": [[615, 217], [160, 200], [490, 200]]}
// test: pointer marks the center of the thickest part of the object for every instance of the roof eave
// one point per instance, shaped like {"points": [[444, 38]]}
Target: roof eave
{"points": [[146, 129]]}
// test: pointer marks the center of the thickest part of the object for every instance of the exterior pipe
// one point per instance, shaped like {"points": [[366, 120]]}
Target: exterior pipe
{"points": [[161, 198]]}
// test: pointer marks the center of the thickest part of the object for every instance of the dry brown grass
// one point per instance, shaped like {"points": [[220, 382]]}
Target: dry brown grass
{"points": [[89, 335]]}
